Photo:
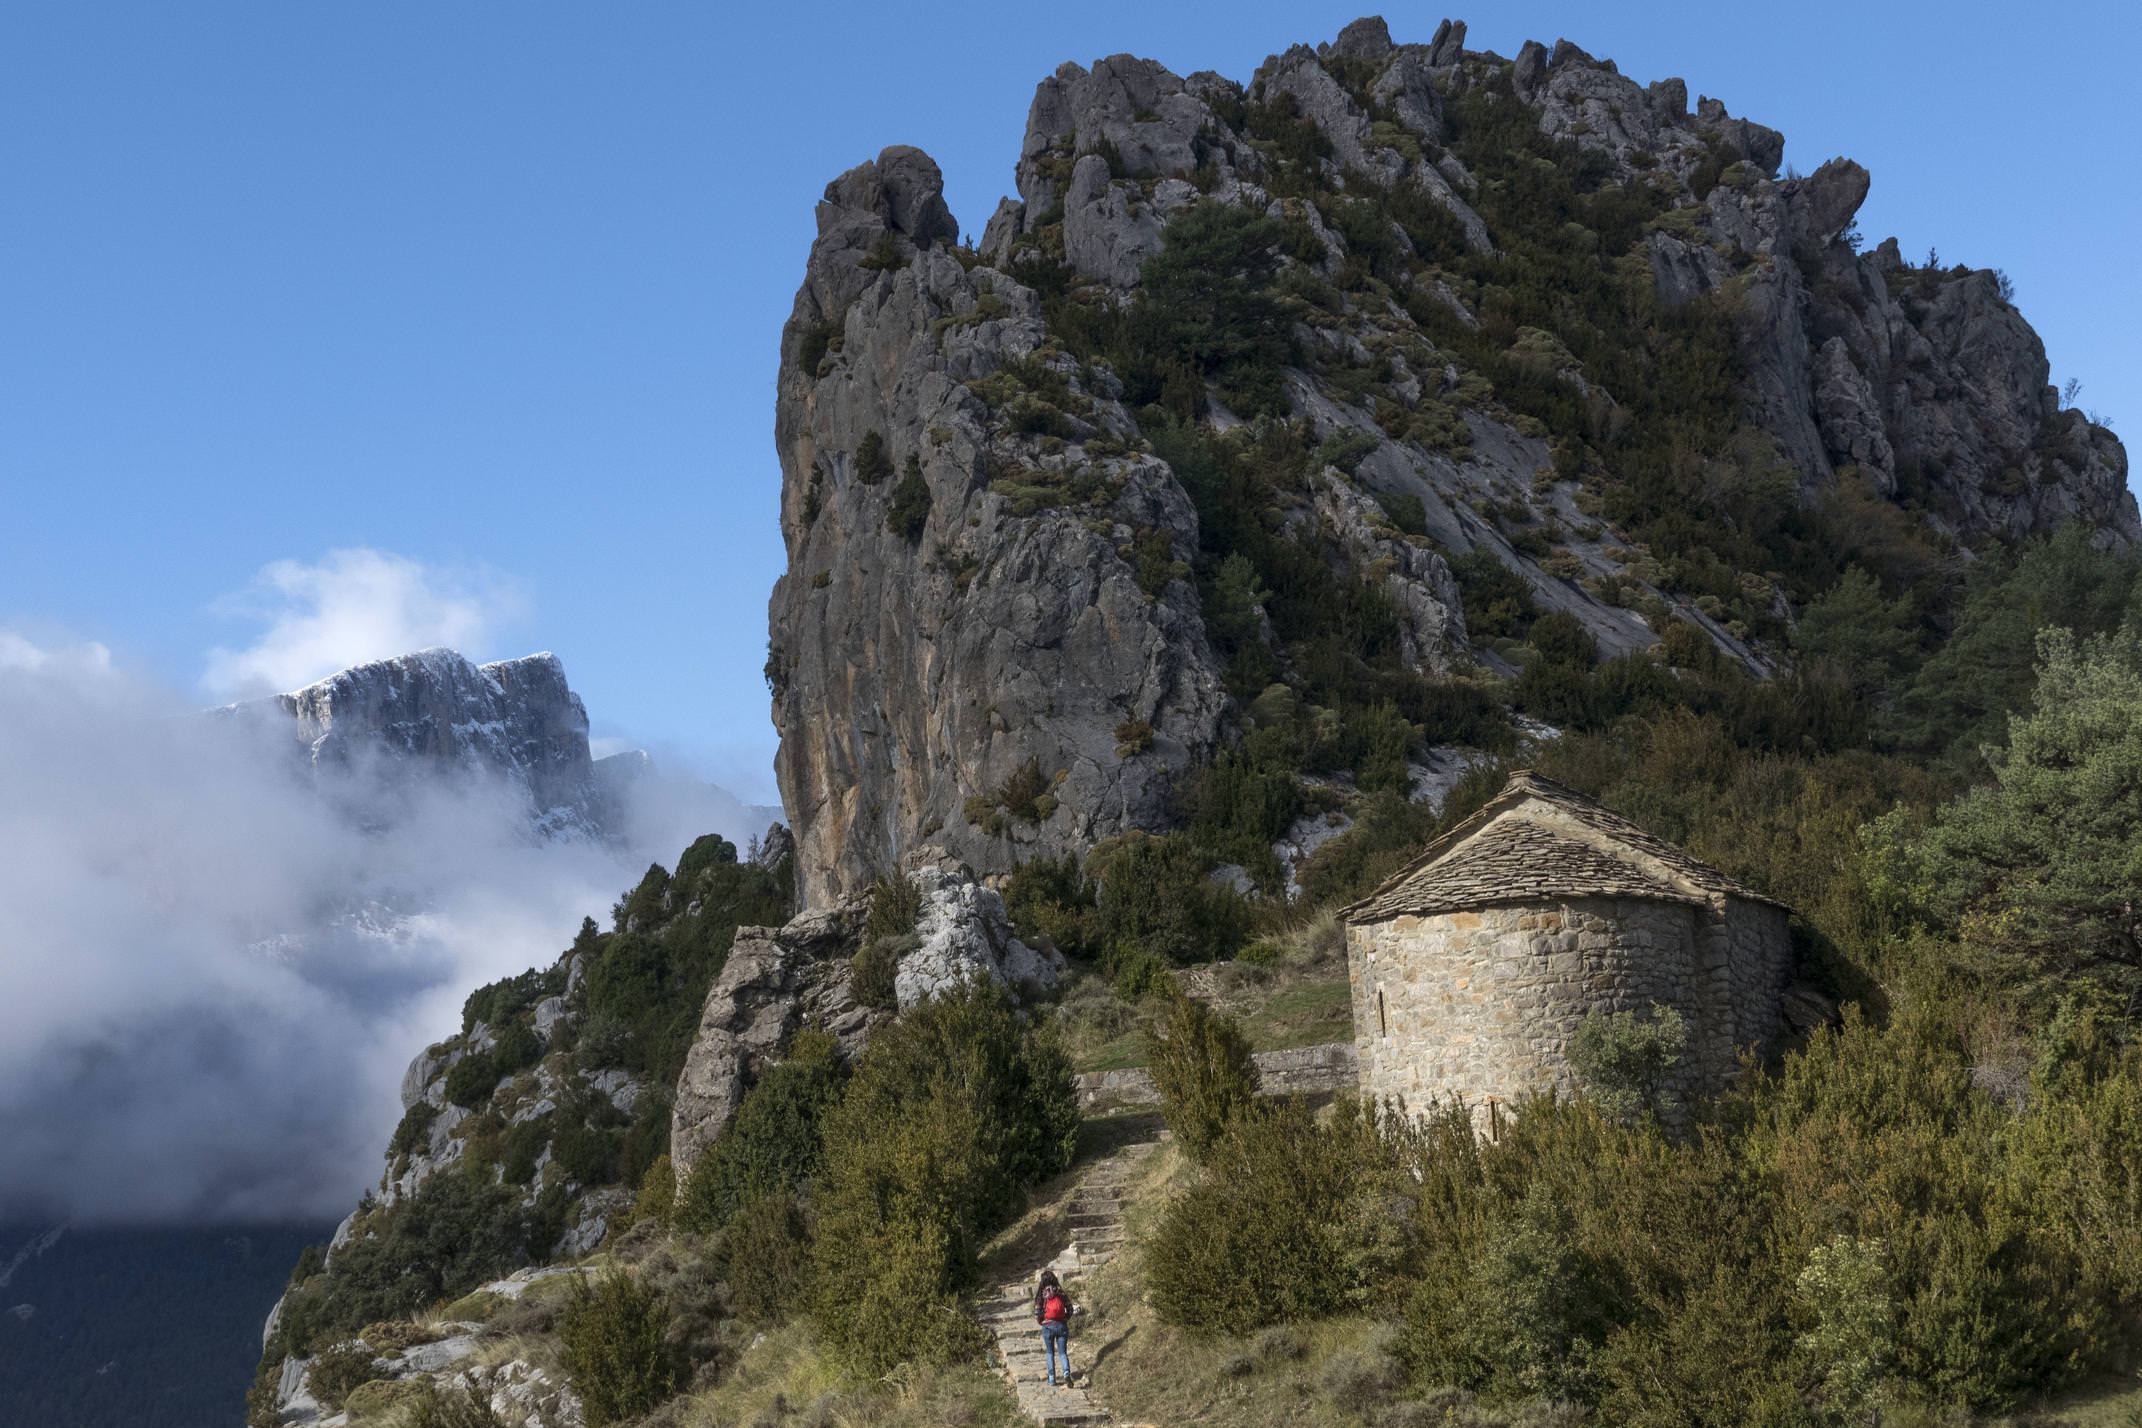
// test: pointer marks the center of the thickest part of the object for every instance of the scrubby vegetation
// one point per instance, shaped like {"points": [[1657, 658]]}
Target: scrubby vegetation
{"points": [[1201, 1065], [1934, 1207], [953, 1110], [615, 1339]]}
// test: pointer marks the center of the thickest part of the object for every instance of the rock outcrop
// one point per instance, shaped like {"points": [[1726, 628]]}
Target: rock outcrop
{"points": [[963, 933], [779, 980], [985, 641], [935, 640]]}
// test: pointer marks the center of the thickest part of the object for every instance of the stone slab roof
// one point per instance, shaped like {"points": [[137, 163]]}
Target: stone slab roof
{"points": [[1539, 841]]}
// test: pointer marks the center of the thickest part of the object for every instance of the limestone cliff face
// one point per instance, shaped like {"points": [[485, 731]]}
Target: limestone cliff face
{"points": [[964, 655], [930, 644]]}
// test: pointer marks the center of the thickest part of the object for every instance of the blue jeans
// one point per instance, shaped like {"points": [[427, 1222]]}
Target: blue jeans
{"points": [[1056, 1340]]}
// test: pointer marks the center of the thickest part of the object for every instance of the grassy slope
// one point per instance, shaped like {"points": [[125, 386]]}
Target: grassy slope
{"points": [[1299, 998]]}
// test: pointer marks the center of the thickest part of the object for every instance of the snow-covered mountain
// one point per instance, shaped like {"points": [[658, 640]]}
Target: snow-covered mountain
{"points": [[372, 728], [372, 734]]}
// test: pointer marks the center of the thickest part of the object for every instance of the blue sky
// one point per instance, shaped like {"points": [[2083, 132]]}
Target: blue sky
{"points": [[493, 290]]}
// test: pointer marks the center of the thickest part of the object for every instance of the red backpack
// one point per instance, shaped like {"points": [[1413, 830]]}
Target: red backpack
{"points": [[1053, 1308]]}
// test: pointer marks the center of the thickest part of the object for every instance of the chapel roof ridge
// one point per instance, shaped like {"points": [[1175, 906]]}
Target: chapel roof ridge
{"points": [[1476, 864]]}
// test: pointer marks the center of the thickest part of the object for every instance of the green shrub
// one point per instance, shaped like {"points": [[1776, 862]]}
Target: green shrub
{"points": [[1515, 1328], [1388, 830], [872, 464], [1497, 600], [708, 851], [522, 1146], [470, 1081], [501, 1001], [1561, 638], [1240, 807], [1200, 1063], [1205, 305], [456, 1232], [873, 973], [613, 1336], [644, 987], [764, 1257], [884, 255], [812, 343], [413, 1132], [909, 509], [774, 1142], [2039, 868], [895, 907], [1624, 1059], [1287, 1220], [338, 1369], [1154, 899], [656, 1199], [436, 1407], [646, 904], [1851, 1338], [518, 1048], [1052, 900], [954, 1109]]}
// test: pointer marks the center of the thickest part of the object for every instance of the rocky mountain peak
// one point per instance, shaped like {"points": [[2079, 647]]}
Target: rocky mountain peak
{"points": [[1436, 314], [434, 711]]}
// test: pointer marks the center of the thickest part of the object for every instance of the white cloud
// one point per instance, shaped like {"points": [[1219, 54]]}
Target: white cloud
{"points": [[352, 606], [18, 652], [210, 981]]}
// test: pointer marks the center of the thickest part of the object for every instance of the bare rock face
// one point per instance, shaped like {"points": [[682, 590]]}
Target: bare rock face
{"points": [[777, 981], [936, 637], [1849, 416]]}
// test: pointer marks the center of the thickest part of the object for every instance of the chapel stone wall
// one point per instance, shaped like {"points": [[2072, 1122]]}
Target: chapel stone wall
{"points": [[1478, 1004]]}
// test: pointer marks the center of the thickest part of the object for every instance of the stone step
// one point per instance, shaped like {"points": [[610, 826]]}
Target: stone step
{"points": [[1066, 1415]]}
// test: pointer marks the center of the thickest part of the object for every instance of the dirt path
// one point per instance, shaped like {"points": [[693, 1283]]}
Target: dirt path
{"points": [[1094, 1213]]}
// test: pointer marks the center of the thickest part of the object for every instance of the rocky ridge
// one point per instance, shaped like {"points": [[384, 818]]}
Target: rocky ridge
{"points": [[989, 639], [370, 731], [515, 1098]]}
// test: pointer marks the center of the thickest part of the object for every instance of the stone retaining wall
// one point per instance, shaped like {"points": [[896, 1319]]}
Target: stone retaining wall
{"points": [[1308, 1070]]}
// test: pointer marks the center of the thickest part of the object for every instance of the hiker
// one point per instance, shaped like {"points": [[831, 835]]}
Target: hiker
{"points": [[1052, 1311]]}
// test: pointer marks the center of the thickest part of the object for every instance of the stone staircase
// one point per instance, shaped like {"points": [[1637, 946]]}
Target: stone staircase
{"points": [[1093, 1211]]}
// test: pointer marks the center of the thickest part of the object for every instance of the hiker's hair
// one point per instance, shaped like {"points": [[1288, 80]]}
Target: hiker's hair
{"points": [[1049, 1280]]}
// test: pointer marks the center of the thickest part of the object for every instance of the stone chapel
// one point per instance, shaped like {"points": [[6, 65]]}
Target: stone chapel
{"points": [[1474, 964]]}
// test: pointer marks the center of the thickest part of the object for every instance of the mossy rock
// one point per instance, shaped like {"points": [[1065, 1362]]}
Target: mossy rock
{"points": [[476, 1308], [376, 1402], [393, 1336]]}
